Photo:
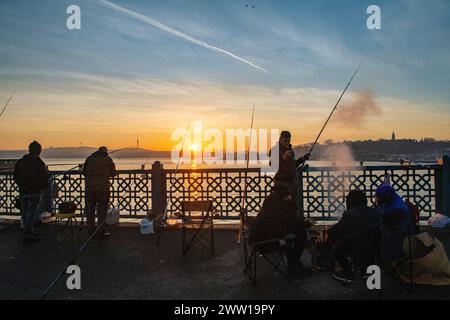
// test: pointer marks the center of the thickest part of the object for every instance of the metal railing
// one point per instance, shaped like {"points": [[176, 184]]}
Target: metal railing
{"points": [[136, 192]]}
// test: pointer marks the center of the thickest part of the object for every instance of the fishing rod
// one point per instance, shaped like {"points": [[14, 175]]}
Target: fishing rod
{"points": [[114, 151], [72, 261], [244, 199], [4, 108], [334, 109], [79, 165], [164, 217], [82, 248]]}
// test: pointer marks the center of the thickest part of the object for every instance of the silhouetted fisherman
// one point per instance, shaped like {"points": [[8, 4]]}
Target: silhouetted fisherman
{"points": [[31, 175], [276, 220], [98, 169], [354, 239], [287, 164]]}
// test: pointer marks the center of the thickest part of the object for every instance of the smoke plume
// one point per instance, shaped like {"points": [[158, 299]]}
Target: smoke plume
{"points": [[356, 112], [341, 157]]}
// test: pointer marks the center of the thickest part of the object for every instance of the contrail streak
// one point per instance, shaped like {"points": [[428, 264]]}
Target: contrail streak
{"points": [[177, 33]]}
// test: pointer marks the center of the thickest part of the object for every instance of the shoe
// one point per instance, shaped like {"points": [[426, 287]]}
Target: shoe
{"points": [[45, 215], [33, 238], [344, 277]]}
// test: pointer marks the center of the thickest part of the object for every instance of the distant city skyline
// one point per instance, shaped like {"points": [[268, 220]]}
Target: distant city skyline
{"points": [[145, 68]]}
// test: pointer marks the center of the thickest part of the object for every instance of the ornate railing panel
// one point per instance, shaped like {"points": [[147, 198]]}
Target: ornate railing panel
{"points": [[131, 192], [324, 189], [224, 186]]}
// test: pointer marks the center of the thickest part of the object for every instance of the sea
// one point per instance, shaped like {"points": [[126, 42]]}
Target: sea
{"points": [[168, 163]]}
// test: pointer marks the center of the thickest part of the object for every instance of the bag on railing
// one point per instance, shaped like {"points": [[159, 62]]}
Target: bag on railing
{"points": [[67, 207]]}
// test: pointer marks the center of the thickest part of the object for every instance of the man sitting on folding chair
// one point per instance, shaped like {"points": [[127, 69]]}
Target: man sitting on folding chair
{"points": [[352, 242], [276, 220]]}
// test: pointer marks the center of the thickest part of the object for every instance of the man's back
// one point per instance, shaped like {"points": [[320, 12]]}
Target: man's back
{"points": [[30, 174], [98, 169], [360, 226]]}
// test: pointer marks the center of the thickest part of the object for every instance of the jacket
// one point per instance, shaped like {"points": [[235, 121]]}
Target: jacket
{"points": [[30, 174], [287, 168], [98, 169], [276, 219], [361, 228]]}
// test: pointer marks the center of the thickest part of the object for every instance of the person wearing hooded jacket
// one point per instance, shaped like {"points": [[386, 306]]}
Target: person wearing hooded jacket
{"points": [[98, 169], [31, 175], [277, 219], [396, 222]]}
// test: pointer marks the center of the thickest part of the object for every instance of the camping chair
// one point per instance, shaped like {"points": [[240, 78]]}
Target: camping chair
{"points": [[274, 251], [65, 219], [197, 217], [394, 268]]}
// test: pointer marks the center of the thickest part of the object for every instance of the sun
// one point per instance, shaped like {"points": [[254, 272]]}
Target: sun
{"points": [[195, 147]]}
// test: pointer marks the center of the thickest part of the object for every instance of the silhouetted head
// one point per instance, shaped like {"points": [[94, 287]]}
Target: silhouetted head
{"points": [[356, 199], [103, 149], [285, 139], [35, 148]]}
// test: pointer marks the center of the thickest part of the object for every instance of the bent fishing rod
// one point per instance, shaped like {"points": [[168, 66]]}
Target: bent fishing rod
{"points": [[334, 109], [6, 105], [164, 217]]}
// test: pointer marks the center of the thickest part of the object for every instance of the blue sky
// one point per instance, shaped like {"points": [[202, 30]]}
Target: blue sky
{"points": [[119, 77]]}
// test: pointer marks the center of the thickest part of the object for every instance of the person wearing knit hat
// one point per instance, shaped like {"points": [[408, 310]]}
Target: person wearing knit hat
{"points": [[395, 223]]}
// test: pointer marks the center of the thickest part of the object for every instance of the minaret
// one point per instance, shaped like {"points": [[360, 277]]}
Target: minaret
{"points": [[137, 147], [393, 136]]}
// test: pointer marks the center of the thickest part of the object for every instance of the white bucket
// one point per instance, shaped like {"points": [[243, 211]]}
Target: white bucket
{"points": [[146, 226], [112, 216]]}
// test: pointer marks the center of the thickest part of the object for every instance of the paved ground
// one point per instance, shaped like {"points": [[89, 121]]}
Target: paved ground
{"points": [[131, 266]]}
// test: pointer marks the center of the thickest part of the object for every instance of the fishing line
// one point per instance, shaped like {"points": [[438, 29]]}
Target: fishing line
{"points": [[164, 217]]}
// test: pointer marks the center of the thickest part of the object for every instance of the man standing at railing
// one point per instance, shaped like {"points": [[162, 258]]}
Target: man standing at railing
{"points": [[98, 169], [287, 164], [31, 174]]}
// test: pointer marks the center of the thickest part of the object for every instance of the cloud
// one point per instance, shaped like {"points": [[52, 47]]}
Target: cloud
{"points": [[177, 33]]}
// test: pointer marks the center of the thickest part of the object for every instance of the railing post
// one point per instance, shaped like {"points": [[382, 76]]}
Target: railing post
{"points": [[299, 193], [443, 188], [157, 188]]}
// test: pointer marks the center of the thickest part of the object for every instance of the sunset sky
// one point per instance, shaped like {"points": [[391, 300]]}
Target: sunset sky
{"points": [[144, 68]]}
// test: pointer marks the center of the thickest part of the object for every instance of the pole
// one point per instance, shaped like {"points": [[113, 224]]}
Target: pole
{"points": [[164, 217], [334, 109], [72, 261], [244, 198], [4, 108]]}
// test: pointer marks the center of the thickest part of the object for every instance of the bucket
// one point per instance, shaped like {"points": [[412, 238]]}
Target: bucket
{"points": [[112, 216], [146, 226]]}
